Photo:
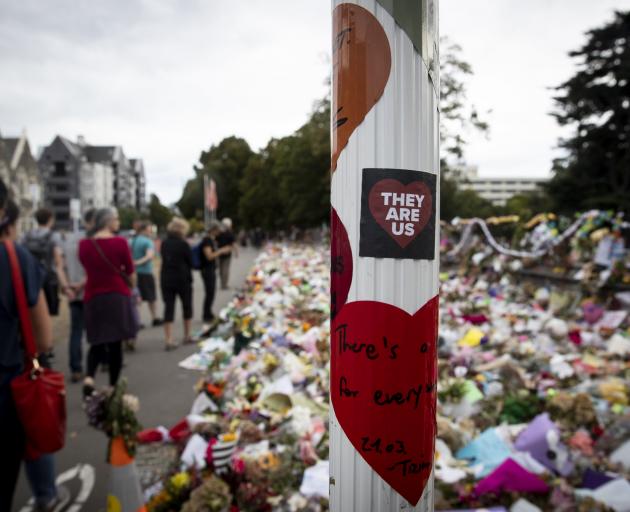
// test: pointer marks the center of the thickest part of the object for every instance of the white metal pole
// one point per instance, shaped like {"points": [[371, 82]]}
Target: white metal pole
{"points": [[384, 254], [205, 205]]}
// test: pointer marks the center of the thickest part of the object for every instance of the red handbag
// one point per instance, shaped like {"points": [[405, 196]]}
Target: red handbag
{"points": [[39, 393]]}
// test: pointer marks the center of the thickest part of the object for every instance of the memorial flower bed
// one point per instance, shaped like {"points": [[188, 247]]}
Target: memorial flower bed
{"points": [[533, 395]]}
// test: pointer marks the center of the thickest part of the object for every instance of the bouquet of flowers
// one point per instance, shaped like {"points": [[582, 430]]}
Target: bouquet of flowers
{"points": [[114, 412]]}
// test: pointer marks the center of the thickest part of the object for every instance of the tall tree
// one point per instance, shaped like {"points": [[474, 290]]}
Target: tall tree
{"points": [[595, 103], [302, 170], [288, 183], [159, 214], [259, 204], [127, 217], [225, 163]]}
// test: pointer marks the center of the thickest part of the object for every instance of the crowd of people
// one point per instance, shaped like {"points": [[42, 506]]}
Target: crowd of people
{"points": [[104, 277]]}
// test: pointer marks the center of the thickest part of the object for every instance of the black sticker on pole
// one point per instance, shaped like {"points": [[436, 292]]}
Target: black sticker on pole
{"points": [[398, 214]]}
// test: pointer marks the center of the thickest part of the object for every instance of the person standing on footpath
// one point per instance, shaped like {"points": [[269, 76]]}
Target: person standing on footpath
{"points": [[108, 305], [12, 440], [226, 239], [143, 252], [176, 279], [209, 255], [40, 471], [75, 274], [43, 244]]}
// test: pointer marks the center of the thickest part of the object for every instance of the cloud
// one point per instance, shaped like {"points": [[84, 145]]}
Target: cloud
{"points": [[518, 51], [164, 79]]}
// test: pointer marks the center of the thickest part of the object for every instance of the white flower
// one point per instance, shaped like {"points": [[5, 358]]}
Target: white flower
{"points": [[131, 402]]}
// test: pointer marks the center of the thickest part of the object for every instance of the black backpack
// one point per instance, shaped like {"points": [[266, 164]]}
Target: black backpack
{"points": [[41, 247]]}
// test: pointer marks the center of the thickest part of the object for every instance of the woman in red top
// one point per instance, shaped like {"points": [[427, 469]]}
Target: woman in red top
{"points": [[108, 306]]}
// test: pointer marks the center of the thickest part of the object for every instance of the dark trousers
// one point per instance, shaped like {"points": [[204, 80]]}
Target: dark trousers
{"points": [[76, 336], [111, 353], [170, 292], [12, 442], [209, 277]]}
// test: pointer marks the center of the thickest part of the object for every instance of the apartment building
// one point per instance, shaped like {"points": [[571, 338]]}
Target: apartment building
{"points": [[98, 176]]}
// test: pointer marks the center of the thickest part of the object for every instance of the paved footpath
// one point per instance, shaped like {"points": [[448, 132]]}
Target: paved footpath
{"points": [[165, 392]]}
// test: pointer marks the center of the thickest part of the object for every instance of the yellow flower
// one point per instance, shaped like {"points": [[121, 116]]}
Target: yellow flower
{"points": [[180, 480], [269, 461]]}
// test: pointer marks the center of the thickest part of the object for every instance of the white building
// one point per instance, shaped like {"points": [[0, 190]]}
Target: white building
{"points": [[96, 185], [496, 190]]}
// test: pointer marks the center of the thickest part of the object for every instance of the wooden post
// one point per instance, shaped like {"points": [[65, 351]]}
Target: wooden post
{"points": [[384, 254]]}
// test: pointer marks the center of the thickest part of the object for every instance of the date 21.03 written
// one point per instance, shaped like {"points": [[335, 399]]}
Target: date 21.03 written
{"points": [[376, 445]]}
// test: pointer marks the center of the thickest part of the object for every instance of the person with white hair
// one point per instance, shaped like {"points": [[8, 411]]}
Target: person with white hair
{"points": [[226, 239], [108, 307]]}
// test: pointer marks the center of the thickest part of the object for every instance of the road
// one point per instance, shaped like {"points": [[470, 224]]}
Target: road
{"points": [[165, 392]]}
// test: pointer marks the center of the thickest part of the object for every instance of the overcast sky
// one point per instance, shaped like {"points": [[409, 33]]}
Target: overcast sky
{"points": [[166, 78]]}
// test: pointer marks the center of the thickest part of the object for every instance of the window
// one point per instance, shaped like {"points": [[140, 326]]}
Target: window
{"points": [[60, 202], [60, 169], [61, 188]]}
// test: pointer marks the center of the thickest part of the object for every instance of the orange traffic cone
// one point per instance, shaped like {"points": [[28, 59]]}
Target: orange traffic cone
{"points": [[125, 494]]}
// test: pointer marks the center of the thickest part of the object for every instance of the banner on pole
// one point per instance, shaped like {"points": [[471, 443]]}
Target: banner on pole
{"points": [[212, 201]]}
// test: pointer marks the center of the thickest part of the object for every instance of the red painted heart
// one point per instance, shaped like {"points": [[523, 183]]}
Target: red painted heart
{"points": [[340, 264], [401, 210], [383, 388]]}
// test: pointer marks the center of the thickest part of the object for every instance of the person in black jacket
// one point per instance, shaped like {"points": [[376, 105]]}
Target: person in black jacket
{"points": [[176, 279], [209, 256]]}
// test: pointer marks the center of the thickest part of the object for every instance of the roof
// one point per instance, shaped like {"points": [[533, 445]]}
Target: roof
{"points": [[75, 149], [100, 153], [10, 145], [16, 150]]}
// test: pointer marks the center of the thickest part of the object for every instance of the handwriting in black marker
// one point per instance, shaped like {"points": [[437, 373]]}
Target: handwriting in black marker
{"points": [[412, 396], [344, 389], [370, 350], [339, 121], [341, 36], [392, 349], [336, 265], [409, 467], [394, 447]]}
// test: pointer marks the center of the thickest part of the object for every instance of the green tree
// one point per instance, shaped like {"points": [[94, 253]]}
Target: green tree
{"points": [[259, 204], [595, 104], [302, 171], [159, 214], [288, 183], [225, 163], [528, 205], [127, 217]]}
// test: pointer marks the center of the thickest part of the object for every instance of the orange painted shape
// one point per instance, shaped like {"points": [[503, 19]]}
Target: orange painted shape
{"points": [[118, 455], [361, 66]]}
